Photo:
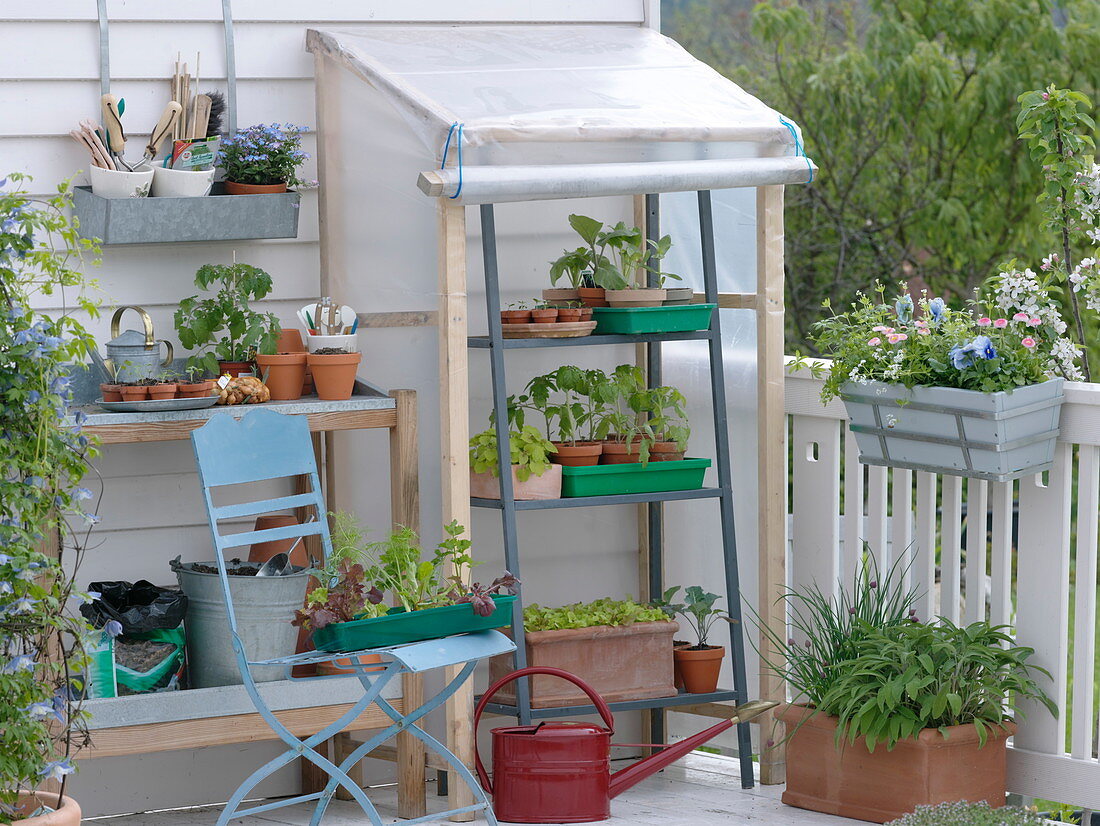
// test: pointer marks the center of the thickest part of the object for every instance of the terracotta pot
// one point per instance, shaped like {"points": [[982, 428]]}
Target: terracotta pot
{"points": [[700, 667], [515, 316], [677, 674], [635, 298], [136, 393], [678, 296], [620, 453], [234, 368], [623, 662], [546, 316], [586, 314], [547, 486], [883, 785], [570, 314], [263, 551], [290, 341], [334, 375], [578, 454], [195, 390], [283, 373], [234, 188], [665, 452], [67, 814], [162, 392], [593, 296], [343, 666], [110, 392], [560, 294]]}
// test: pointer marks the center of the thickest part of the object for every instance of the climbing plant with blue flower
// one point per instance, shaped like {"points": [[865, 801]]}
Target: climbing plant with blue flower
{"points": [[43, 504]]}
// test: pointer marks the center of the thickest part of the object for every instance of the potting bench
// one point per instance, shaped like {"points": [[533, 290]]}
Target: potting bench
{"points": [[166, 721]]}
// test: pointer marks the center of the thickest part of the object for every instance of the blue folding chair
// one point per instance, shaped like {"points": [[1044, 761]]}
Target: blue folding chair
{"points": [[266, 445]]}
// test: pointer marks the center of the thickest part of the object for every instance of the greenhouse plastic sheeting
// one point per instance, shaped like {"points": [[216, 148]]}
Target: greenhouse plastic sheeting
{"points": [[537, 85]]}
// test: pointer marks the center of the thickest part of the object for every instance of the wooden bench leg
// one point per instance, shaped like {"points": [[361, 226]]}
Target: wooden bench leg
{"points": [[343, 745], [411, 791]]}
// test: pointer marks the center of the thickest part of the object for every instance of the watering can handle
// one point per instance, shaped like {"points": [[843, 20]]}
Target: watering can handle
{"points": [[147, 322], [597, 701], [168, 359]]}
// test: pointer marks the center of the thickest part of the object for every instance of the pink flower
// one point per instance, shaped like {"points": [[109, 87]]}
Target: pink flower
{"points": [[1000, 322], [1028, 342], [874, 342], [1021, 317], [924, 331], [894, 338], [881, 329], [920, 323], [1034, 321], [984, 321]]}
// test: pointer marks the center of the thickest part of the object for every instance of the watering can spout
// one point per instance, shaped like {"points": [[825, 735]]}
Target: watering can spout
{"points": [[637, 772]]}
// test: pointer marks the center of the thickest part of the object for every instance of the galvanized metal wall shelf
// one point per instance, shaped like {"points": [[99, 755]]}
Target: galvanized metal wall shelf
{"points": [[215, 217]]}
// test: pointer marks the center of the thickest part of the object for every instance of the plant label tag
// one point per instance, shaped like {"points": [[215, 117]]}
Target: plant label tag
{"points": [[223, 381]]}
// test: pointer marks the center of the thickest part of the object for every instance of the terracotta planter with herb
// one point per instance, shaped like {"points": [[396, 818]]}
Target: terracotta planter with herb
{"points": [[195, 389], [882, 785], [234, 188], [593, 296], [67, 814], [134, 392], [665, 452], [234, 369], [621, 662], [515, 316], [283, 373], [620, 453], [546, 486], [163, 391], [110, 392], [334, 374], [545, 315], [570, 314], [577, 454], [560, 294], [700, 667], [636, 298]]}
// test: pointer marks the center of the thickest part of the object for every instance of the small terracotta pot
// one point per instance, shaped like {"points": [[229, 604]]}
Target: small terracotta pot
{"points": [[546, 486], [283, 373], [162, 392], [677, 676], [334, 375], [678, 296], [134, 393], [263, 551], [234, 368], [569, 314], [699, 667], [67, 814], [593, 296], [336, 667], [635, 298], [620, 453], [110, 392], [515, 316], [289, 341], [560, 294], [665, 452], [234, 188], [195, 390], [546, 316], [577, 454], [586, 314]]}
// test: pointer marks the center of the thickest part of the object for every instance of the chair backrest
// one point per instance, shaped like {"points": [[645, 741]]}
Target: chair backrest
{"points": [[259, 446]]}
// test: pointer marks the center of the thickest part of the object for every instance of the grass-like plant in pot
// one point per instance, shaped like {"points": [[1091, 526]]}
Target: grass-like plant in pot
{"points": [[45, 458], [918, 712], [262, 159], [534, 476], [224, 328], [698, 665]]}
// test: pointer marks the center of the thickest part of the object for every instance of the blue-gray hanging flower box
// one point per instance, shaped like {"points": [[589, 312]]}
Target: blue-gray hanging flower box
{"points": [[214, 217], [994, 436]]}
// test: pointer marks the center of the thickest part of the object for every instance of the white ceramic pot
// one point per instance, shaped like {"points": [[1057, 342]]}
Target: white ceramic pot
{"points": [[181, 183], [110, 183], [348, 342]]}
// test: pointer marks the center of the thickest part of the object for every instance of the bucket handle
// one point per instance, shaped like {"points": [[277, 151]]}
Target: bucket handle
{"points": [[598, 701]]}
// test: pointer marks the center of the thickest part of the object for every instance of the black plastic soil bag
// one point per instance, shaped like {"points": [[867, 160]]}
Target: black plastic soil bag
{"points": [[139, 607]]}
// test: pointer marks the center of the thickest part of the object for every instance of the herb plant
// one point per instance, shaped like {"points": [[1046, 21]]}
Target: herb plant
{"points": [[604, 611], [965, 813], [613, 256], [343, 596], [571, 265], [44, 460], [530, 452], [245, 332], [697, 608], [264, 155]]}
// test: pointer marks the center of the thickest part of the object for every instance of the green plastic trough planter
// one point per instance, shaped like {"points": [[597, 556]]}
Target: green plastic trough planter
{"points": [[635, 320], [400, 626], [655, 477]]}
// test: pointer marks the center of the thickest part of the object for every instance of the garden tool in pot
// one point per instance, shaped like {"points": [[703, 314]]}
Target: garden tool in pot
{"points": [[560, 772], [133, 355]]}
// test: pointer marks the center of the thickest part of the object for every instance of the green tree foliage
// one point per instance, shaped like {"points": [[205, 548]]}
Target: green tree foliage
{"points": [[909, 109]]}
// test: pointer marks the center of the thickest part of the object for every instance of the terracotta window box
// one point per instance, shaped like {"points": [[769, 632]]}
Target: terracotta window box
{"points": [[883, 785], [625, 662]]}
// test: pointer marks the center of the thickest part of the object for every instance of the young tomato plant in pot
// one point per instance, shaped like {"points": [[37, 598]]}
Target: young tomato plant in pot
{"points": [[699, 665], [194, 386], [534, 476], [544, 313], [627, 436], [577, 393], [262, 159], [518, 312], [244, 332], [668, 421]]}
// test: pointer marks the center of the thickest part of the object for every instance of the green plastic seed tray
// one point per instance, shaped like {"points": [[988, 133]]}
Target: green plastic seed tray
{"points": [[400, 626], [635, 320], [655, 477]]}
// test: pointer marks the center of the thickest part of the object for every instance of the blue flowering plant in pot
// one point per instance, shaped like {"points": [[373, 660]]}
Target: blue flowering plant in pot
{"points": [[263, 159], [44, 505]]}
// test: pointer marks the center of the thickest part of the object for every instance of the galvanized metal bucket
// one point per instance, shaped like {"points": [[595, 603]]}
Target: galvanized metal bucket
{"points": [[994, 436], [263, 607]]}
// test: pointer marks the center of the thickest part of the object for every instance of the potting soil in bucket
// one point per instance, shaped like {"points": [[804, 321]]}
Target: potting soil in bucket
{"points": [[263, 607]]}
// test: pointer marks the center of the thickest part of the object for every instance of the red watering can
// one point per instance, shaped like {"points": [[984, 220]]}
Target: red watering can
{"points": [[560, 772]]}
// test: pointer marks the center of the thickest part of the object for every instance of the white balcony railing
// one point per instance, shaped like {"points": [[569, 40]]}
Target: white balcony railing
{"points": [[1021, 552]]}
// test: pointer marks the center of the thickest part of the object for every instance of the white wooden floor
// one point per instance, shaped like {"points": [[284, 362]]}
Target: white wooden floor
{"points": [[700, 790]]}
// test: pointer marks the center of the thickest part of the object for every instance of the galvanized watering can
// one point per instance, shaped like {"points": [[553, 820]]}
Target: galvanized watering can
{"points": [[560, 772], [133, 356]]}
